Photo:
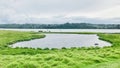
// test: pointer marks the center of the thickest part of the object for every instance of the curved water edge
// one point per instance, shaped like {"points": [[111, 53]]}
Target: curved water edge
{"points": [[64, 40]]}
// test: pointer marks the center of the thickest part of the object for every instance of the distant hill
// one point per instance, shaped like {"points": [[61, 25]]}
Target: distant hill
{"points": [[62, 26]]}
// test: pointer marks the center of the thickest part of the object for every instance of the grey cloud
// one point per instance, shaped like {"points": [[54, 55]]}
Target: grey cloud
{"points": [[58, 6], [21, 11]]}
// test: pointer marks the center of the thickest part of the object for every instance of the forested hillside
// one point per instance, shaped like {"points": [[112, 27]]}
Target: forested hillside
{"points": [[62, 26]]}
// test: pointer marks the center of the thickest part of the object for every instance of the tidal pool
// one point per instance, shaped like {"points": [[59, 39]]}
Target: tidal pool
{"points": [[64, 40]]}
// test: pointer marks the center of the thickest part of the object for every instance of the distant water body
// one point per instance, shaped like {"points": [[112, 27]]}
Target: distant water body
{"points": [[69, 30]]}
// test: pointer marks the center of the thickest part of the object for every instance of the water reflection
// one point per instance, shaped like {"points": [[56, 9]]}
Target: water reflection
{"points": [[64, 40]]}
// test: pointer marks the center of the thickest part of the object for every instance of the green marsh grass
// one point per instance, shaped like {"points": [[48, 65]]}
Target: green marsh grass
{"points": [[9, 37], [57, 58]]}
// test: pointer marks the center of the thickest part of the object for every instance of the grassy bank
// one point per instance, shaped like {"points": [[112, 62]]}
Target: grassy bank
{"points": [[71, 32], [58, 58], [9, 37]]}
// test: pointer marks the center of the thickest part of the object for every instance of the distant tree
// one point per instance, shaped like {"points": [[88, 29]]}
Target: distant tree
{"points": [[62, 26]]}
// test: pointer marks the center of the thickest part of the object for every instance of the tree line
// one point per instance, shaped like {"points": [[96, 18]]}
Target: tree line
{"points": [[62, 26]]}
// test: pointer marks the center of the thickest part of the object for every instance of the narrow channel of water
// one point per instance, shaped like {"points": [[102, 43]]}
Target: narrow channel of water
{"points": [[69, 30], [64, 40]]}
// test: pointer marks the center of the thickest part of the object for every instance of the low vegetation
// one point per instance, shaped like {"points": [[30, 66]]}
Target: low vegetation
{"points": [[57, 58], [10, 37], [69, 32]]}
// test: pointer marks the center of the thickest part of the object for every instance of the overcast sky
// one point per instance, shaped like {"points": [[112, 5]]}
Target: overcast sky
{"points": [[59, 11]]}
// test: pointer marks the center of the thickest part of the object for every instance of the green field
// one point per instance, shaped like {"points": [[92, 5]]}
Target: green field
{"points": [[107, 57]]}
